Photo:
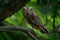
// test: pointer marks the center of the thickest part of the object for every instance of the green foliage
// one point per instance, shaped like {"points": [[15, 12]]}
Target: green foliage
{"points": [[18, 20]]}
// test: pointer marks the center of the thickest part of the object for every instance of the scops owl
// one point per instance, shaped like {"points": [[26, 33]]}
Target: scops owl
{"points": [[33, 19]]}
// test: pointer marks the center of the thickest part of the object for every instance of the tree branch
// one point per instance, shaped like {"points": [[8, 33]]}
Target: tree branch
{"points": [[8, 8], [55, 13], [55, 29], [29, 31]]}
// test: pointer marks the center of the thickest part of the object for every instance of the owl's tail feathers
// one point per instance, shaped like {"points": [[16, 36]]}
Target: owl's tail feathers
{"points": [[43, 30]]}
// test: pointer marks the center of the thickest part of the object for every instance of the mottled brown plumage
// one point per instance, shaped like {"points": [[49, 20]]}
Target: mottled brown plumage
{"points": [[33, 19]]}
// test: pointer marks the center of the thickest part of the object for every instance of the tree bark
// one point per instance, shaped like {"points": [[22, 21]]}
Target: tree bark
{"points": [[7, 8], [28, 31]]}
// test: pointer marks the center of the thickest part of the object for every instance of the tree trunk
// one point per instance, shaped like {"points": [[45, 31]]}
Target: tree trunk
{"points": [[8, 7]]}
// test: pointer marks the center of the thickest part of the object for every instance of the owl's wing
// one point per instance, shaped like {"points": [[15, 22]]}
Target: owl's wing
{"points": [[37, 19], [39, 24]]}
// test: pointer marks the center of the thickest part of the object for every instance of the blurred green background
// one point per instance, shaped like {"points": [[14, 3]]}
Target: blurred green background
{"points": [[17, 19]]}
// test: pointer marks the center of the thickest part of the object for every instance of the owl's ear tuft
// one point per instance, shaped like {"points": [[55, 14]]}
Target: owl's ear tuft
{"points": [[24, 8], [30, 8]]}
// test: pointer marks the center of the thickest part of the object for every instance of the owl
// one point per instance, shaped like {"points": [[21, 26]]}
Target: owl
{"points": [[33, 19]]}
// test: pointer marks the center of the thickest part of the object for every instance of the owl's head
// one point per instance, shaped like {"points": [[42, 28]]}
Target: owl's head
{"points": [[27, 11]]}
